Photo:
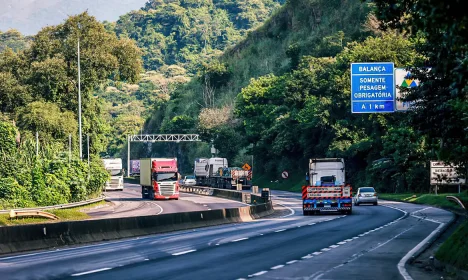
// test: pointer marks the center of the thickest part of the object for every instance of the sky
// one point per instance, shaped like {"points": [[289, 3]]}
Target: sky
{"points": [[30, 16]]}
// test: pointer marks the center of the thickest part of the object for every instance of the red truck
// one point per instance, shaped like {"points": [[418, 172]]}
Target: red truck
{"points": [[159, 178]]}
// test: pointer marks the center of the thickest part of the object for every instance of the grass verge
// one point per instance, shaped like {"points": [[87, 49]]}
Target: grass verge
{"points": [[70, 214], [454, 251], [293, 183], [429, 199]]}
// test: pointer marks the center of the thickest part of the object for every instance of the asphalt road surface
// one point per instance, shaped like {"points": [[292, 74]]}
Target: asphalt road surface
{"points": [[128, 203], [372, 243]]}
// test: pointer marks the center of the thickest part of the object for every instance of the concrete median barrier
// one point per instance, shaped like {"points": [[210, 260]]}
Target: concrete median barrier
{"points": [[42, 236]]}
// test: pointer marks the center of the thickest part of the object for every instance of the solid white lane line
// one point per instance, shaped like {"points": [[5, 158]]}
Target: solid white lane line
{"points": [[92, 271], [402, 262], [183, 253], [240, 239], [277, 267], [258, 273], [289, 208], [280, 230], [420, 210], [291, 262]]}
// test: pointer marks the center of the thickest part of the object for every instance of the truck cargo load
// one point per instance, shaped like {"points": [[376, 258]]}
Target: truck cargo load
{"points": [[201, 170], [326, 190], [135, 167], [159, 178]]}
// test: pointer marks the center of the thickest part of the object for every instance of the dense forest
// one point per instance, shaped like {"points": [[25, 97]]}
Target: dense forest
{"points": [[176, 38], [14, 40], [39, 94], [188, 33]]}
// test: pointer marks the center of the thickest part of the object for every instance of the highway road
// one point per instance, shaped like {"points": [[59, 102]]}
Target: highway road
{"points": [[128, 203], [372, 243]]}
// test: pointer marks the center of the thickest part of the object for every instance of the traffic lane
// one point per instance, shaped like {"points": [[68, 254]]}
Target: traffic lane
{"points": [[248, 256], [62, 262], [379, 253], [129, 203]]}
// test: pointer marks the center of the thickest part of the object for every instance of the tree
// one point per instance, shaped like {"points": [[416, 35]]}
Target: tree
{"points": [[438, 27], [48, 120]]}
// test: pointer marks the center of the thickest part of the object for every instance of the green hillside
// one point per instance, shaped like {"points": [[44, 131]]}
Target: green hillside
{"points": [[188, 32], [319, 28]]}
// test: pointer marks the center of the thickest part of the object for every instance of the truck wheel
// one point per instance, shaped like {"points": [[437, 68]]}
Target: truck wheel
{"points": [[151, 194], [144, 193], [376, 203], [306, 213]]}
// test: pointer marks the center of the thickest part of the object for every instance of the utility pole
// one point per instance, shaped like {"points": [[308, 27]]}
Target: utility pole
{"points": [[79, 98], [128, 156], [69, 148], [88, 147], [37, 143]]}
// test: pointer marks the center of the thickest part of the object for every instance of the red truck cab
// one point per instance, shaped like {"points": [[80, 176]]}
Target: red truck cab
{"points": [[159, 178]]}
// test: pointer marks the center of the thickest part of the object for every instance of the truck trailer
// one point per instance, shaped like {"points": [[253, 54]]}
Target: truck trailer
{"points": [[326, 190], [159, 178], [201, 171]]}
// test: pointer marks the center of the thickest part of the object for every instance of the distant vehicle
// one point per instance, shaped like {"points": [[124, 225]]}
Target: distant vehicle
{"points": [[159, 178], [189, 181], [135, 167], [200, 171], [366, 195], [326, 190], [215, 173], [114, 167]]}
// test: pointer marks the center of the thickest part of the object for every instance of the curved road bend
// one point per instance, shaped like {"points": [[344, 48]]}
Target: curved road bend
{"points": [[366, 245], [128, 203]]}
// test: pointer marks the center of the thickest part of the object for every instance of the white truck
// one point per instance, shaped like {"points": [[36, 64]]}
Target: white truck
{"points": [[200, 171], [114, 167], [326, 190]]}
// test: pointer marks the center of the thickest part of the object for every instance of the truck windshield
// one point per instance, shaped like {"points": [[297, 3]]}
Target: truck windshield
{"points": [[115, 172], [159, 177], [329, 179]]}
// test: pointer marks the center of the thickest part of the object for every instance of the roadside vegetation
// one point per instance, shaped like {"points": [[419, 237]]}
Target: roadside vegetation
{"points": [[455, 248], [39, 94], [439, 200], [70, 214]]}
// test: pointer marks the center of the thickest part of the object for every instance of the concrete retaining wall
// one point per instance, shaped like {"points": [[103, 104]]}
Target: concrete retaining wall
{"points": [[41, 236]]}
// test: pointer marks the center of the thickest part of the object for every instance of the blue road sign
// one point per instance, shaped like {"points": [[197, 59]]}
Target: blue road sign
{"points": [[372, 87]]}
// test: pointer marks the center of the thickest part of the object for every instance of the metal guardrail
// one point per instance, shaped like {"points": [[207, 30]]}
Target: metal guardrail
{"points": [[456, 200], [60, 206], [22, 213]]}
